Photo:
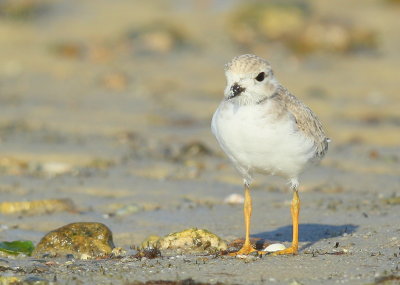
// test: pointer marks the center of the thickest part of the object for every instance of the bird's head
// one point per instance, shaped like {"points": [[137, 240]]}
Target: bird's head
{"points": [[249, 80]]}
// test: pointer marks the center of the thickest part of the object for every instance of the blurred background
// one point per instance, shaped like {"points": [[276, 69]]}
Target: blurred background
{"points": [[108, 103]]}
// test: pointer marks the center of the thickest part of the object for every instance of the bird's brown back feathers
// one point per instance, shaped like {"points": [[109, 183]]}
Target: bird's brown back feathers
{"points": [[306, 121]]}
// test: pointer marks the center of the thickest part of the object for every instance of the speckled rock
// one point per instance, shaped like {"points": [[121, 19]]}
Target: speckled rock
{"points": [[82, 240], [189, 240]]}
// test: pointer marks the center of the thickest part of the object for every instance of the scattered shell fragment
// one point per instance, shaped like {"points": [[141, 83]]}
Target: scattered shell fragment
{"points": [[119, 209], [246, 257], [82, 240], [55, 168], [37, 207], [128, 210], [193, 239], [274, 247], [234, 199], [85, 256]]}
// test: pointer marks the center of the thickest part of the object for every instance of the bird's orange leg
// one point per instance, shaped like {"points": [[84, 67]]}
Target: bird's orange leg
{"points": [[247, 247], [295, 209]]}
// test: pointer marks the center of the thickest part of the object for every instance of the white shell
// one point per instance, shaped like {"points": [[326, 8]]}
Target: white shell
{"points": [[56, 168], [274, 247], [234, 199]]}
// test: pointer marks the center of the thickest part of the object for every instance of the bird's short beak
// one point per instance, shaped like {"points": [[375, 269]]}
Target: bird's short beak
{"points": [[236, 90]]}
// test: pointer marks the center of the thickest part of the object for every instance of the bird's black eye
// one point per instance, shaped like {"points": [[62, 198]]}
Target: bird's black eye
{"points": [[260, 77]]}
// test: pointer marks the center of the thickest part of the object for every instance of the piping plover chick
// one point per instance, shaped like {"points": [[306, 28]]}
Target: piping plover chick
{"points": [[263, 128]]}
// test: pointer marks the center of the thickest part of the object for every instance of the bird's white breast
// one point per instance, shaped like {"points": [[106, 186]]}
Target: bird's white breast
{"points": [[257, 140]]}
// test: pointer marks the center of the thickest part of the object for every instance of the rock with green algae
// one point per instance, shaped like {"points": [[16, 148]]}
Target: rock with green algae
{"points": [[189, 240], [82, 240]]}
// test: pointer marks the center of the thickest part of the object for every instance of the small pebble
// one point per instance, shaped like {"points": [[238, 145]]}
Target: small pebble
{"points": [[274, 247]]}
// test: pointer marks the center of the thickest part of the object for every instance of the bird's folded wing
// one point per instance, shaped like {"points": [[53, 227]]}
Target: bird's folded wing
{"points": [[307, 122]]}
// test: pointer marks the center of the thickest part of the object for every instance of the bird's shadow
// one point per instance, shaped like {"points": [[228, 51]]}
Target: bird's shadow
{"points": [[309, 233]]}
